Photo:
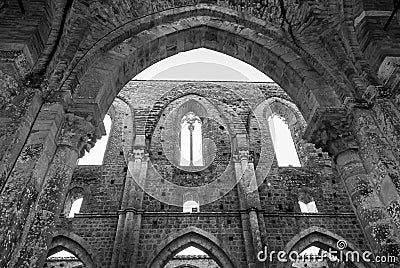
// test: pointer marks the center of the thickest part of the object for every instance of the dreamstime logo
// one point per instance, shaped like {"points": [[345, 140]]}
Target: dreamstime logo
{"points": [[230, 123], [343, 254]]}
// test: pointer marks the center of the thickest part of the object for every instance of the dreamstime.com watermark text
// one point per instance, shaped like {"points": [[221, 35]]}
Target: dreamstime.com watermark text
{"points": [[339, 255]]}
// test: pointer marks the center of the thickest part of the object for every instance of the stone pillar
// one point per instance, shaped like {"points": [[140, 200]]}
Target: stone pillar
{"points": [[387, 115], [20, 104], [23, 186], [129, 223], [352, 137], [250, 203], [76, 137]]}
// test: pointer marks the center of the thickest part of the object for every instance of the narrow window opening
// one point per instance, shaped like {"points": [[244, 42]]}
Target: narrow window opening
{"points": [[285, 150], [191, 141], [75, 208], [73, 202]]}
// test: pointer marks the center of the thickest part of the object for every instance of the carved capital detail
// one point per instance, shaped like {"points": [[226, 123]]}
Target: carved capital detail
{"points": [[243, 155], [331, 130], [138, 154], [376, 92], [78, 133]]}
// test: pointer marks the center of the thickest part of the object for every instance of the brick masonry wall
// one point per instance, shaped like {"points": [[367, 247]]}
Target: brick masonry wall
{"points": [[156, 227], [281, 229], [279, 192], [284, 187], [98, 231]]}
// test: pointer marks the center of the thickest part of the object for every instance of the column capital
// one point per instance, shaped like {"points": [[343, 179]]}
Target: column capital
{"points": [[78, 133], [243, 155], [138, 154], [330, 129]]}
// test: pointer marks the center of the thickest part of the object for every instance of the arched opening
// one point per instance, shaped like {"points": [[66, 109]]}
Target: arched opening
{"points": [[328, 248], [68, 252], [202, 64], [73, 202], [131, 51], [96, 154], [62, 258], [192, 239], [309, 207], [316, 257], [284, 147], [75, 207], [191, 202], [191, 257], [191, 147], [191, 206]]}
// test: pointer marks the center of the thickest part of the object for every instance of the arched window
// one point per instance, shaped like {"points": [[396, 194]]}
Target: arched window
{"points": [[190, 202], [96, 154], [73, 202], [76, 207], [285, 150], [191, 206], [191, 145], [310, 207]]}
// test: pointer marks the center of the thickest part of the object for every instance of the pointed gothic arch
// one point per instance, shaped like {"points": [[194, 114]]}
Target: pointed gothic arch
{"points": [[322, 238], [169, 125], [191, 236], [213, 28], [75, 245]]}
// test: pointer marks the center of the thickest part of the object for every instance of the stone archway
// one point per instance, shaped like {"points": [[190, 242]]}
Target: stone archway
{"points": [[75, 245], [324, 239], [192, 236], [135, 46]]}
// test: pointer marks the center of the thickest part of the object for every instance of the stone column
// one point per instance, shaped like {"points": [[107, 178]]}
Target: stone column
{"points": [[352, 137], [23, 185], [387, 115], [249, 202], [129, 222], [76, 137], [20, 104]]}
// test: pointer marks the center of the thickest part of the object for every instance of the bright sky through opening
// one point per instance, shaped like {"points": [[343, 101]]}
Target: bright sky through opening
{"points": [[207, 65]]}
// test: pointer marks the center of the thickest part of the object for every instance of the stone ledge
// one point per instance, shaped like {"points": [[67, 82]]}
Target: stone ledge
{"points": [[215, 214]]}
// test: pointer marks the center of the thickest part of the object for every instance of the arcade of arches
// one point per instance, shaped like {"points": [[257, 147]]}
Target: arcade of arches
{"points": [[65, 64]]}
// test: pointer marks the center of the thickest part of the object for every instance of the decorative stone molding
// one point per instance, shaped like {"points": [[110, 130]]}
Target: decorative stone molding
{"points": [[78, 133], [244, 155], [330, 130], [138, 154]]}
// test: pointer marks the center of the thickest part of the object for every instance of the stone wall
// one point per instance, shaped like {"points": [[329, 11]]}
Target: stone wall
{"points": [[62, 64], [279, 191]]}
